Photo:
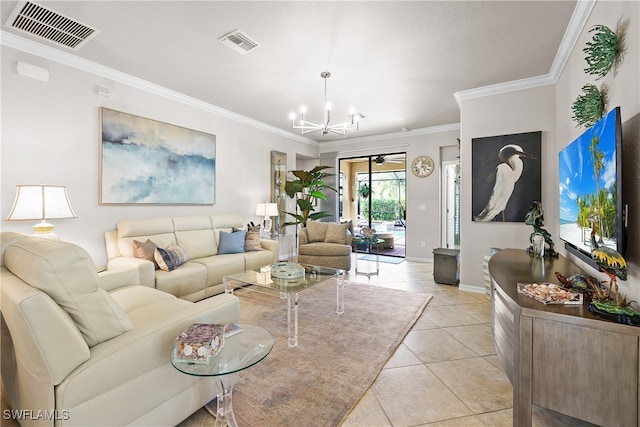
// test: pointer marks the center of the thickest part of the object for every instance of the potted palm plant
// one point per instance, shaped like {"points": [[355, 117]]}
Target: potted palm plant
{"points": [[307, 188]]}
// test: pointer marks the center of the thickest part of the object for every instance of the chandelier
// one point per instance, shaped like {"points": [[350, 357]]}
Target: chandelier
{"points": [[325, 127]]}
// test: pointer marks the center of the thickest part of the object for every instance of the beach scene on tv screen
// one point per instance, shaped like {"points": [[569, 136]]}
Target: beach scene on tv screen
{"points": [[587, 175]]}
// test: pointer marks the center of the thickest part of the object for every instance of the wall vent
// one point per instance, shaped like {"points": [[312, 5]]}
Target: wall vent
{"points": [[238, 41], [44, 23]]}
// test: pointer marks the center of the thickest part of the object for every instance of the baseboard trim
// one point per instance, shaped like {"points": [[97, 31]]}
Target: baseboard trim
{"points": [[429, 260], [471, 288]]}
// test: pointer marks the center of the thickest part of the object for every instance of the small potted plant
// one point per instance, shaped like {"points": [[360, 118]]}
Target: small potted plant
{"points": [[364, 191]]}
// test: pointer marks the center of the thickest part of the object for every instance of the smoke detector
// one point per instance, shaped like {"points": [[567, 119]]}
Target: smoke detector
{"points": [[45, 23], [239, 41]]}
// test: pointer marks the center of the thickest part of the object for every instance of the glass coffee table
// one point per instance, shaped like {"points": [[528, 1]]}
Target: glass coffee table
{"points": [[240, 351], [261, 280]]}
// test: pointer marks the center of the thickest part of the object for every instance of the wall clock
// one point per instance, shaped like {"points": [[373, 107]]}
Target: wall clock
{"points": [[422, 166]]}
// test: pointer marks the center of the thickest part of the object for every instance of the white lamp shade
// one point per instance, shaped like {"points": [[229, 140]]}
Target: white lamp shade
{"points": [[271, 209], [41, 202], [267, 209]]}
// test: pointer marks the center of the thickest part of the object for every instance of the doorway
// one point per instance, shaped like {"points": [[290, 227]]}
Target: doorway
{"points": [[373, 194], [450, 204]]}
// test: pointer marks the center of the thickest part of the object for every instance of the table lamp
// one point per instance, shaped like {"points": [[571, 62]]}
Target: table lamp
{"points": [[267, 210], [41, 202]]}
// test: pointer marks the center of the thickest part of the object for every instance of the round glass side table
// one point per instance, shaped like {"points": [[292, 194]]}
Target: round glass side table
{"points": [[240, 351]]}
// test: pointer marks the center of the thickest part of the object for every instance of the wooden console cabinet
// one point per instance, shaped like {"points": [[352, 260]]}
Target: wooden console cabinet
{"points": [[561, 358]]}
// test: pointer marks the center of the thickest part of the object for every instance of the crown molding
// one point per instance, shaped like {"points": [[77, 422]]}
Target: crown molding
{"points": [[576, 25], [575, 28], [68, 59], [499, 88], [393, 135]]}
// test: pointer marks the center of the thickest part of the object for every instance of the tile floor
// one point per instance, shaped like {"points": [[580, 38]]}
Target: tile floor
{"points": [[446, 372]]}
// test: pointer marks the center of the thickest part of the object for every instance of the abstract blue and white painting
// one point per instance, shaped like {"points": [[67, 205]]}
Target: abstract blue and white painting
{"points": [[144, 161]]}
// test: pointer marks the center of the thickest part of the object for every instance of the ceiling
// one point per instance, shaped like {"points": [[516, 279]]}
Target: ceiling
{"points": [[398, 63]]}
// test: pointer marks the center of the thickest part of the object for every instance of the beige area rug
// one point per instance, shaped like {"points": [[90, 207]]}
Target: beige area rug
{"points": [[337, 359]]}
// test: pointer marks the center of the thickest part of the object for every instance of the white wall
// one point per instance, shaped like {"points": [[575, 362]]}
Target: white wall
{"points": [[50, 135], [548, 109], [623, 91], [509, 113]]}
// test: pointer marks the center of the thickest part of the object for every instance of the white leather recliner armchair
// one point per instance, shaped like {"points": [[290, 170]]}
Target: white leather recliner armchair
{"points": [[75, 354]]}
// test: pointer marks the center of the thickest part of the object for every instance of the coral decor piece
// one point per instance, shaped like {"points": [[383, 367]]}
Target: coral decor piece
{"points": [[586, 284], [605, 50], [589, 106], [368, 233]]}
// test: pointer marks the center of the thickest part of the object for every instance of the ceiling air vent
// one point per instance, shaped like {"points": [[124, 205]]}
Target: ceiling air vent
{"points": [[238, 41], [47, 24]]}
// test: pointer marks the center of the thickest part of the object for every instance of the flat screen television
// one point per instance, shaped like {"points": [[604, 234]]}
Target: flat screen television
{"points": [[590, 174]]}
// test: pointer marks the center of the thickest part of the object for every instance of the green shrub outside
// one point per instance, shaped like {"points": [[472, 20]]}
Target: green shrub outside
{"points": [[382, 210]]}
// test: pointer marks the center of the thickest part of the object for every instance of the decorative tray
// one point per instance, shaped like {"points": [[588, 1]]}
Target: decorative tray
{"points": [[287, 270], [550, 293]]}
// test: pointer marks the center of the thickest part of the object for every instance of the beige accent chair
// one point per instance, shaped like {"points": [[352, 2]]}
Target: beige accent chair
{"points": [[77, 349], [325, 244]]}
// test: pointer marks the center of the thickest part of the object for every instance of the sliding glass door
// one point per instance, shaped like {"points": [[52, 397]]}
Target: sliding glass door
{"points": [[373, 194]]}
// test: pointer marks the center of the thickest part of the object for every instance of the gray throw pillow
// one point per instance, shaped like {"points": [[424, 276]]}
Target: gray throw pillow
{"points": [[252, 240], [337, 233], [316, 231]]}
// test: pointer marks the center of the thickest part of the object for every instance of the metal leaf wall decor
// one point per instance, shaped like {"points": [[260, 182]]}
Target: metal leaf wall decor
{"points": [[589, 107], [606, 49]]}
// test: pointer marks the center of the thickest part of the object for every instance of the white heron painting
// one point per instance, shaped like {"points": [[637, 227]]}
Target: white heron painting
{"points": [[143, 161], [506, 176]]}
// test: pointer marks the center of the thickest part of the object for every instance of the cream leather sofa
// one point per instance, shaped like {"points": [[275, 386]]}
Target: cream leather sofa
{"points": [[75, 354], [199, 237]]}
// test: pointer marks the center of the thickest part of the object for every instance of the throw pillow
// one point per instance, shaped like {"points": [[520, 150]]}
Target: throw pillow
{"points": [[252, 240], [316, 231], [145, 250], [171, 258], [337, 233], [349, 226], [232, 243]]}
